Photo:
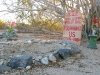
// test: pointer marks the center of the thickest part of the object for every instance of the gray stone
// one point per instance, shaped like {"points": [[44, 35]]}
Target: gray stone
{"points": [[52, 58], [63, 53], [37, 63], [20, 61], [74, 48], [1, 61], [28, 67], [45, 61], [38, 58], [29, 41], [67, 49]]}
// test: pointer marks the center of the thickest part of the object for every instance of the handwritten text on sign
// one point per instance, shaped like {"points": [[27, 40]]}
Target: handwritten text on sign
{"points": [[73, 26]]}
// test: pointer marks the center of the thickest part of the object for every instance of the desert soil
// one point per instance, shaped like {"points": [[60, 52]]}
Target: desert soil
{"points": [[87, 63]]}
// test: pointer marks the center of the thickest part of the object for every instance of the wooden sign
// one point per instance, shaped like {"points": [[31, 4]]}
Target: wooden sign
{"points": [[73, 26]]}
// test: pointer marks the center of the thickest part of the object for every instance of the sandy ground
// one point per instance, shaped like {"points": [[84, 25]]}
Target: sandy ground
{"points": [[87, 64]]}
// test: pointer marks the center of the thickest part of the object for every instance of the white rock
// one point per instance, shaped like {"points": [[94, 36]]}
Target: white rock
{"points": [[29, 41], [45, 61], [38, 58], [1, 62], [18, 55], [6, 72], [28, 67], [52, 58]]}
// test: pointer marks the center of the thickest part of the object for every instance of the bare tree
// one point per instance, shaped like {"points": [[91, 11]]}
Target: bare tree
{"points": [[51, 9]]}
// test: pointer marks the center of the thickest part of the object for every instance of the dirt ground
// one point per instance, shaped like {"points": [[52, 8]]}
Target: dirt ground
{"points": [[87, 64]]}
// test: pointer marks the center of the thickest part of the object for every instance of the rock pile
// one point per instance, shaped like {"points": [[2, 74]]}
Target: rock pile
{"points": [[25, 61], [20, 61]]}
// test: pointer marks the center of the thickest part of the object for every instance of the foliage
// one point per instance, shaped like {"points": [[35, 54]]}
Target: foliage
{"points": [[22, 27], [2, 24], [51, 25], [10, 33], [26, 2], [34, 11]]}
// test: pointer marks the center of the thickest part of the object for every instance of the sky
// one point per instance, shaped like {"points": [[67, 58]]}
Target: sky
{"points": [[5, 15]]}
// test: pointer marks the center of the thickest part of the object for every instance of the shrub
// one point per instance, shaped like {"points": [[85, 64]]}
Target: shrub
{"points": [[2, 24], [22, 27]]}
